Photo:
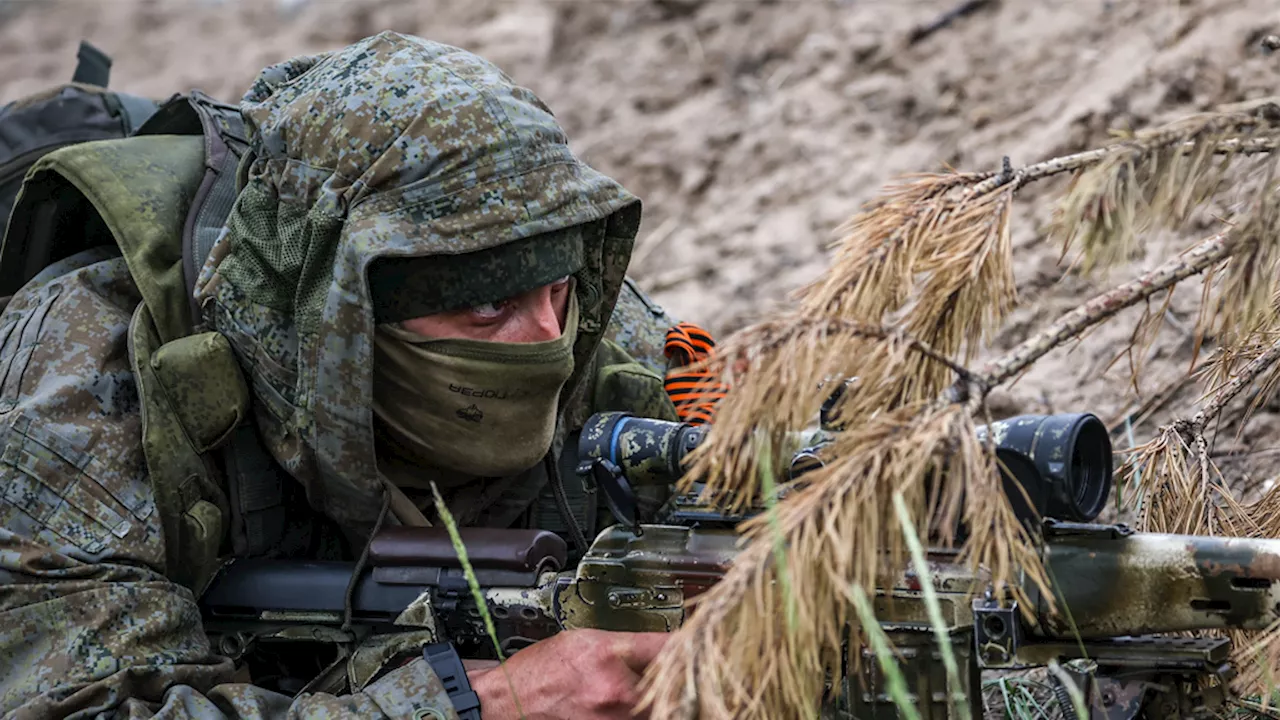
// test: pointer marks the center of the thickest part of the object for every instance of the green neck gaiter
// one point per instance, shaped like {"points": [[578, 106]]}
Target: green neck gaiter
{"points": [[487, 409]]}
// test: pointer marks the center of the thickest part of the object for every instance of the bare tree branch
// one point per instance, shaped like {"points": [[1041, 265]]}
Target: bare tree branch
{"points": [[1197, 260]]}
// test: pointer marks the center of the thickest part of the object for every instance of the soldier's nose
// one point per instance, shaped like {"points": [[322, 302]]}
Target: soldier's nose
{"points": [[540, 316]]}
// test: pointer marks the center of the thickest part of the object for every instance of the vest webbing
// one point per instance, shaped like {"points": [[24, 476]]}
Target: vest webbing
{"points": [[255, 482]]}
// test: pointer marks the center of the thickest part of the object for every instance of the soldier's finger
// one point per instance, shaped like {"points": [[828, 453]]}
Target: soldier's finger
{"points": [[637, 650]]}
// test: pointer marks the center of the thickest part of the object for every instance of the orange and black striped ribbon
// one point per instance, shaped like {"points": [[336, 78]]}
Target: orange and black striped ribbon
{"points": [[694, 393]]}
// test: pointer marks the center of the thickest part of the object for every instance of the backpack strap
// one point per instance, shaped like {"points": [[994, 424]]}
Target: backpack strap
{"points": [[225, 144], [255, 482], [222, 128]]}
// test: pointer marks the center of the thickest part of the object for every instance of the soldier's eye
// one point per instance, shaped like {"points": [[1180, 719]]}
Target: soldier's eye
{"points": [[489, 310]]}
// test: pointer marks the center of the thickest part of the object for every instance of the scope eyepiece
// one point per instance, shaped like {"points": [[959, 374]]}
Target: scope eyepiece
{"points": [[617, 451], [647, 451]]}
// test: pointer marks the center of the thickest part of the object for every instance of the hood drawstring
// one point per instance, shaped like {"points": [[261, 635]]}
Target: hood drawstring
{"points": [[562, 503], [364, 560]]}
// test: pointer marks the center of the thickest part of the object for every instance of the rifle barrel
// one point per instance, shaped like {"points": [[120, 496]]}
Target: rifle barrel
{"points": [[1123, 583]]}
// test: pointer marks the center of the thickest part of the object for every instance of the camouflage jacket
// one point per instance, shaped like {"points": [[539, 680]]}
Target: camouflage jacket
{"points": [[110, 511]]}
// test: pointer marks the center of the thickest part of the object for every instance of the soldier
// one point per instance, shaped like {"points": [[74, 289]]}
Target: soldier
{"points": [[417, 281]]}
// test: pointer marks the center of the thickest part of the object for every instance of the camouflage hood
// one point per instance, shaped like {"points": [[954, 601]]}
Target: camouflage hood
{"points": [[392, 147]]}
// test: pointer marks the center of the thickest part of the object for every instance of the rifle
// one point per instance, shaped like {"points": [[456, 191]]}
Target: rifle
{"points": [[1122, 596]]}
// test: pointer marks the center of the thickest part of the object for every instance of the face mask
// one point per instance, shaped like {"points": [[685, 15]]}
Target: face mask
{"points": [[482, 408]]}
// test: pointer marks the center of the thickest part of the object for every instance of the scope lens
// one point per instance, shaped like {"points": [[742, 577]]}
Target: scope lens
{"points": [[1090, 469]]}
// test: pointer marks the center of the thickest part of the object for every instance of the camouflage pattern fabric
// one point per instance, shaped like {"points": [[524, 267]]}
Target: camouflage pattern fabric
{"points": [[421, 149], [640, 326], [88, 625], [394, 146]]}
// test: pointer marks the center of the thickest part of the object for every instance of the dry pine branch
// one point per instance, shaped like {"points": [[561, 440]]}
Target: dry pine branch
{"points": [[918, 281]]}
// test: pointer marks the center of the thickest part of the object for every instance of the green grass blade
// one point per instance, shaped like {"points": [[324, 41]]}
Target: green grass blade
{"points": [[769, 488], [1077, 698], [958, 700], [879, 642], [447, 518], [1040, 711]]}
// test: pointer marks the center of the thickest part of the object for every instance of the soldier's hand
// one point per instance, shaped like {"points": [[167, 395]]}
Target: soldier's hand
{"points": [[587, 674]]}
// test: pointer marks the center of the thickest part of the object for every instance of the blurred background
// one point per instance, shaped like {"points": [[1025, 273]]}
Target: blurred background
{"points": [[752, 129]]}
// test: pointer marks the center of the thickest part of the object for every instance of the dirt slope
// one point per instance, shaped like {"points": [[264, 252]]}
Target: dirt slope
{"points": [[752, 129]]}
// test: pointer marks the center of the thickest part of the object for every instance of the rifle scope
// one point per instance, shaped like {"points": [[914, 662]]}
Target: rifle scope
{"points": [[1055, 466], [1061, 462], [646, 451]]}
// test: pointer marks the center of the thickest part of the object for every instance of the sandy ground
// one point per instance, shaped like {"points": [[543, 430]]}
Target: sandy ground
{"points": [[753, 129]]}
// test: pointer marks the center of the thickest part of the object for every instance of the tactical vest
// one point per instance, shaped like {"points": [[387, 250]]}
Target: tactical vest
{"points": [[162, 197]]}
